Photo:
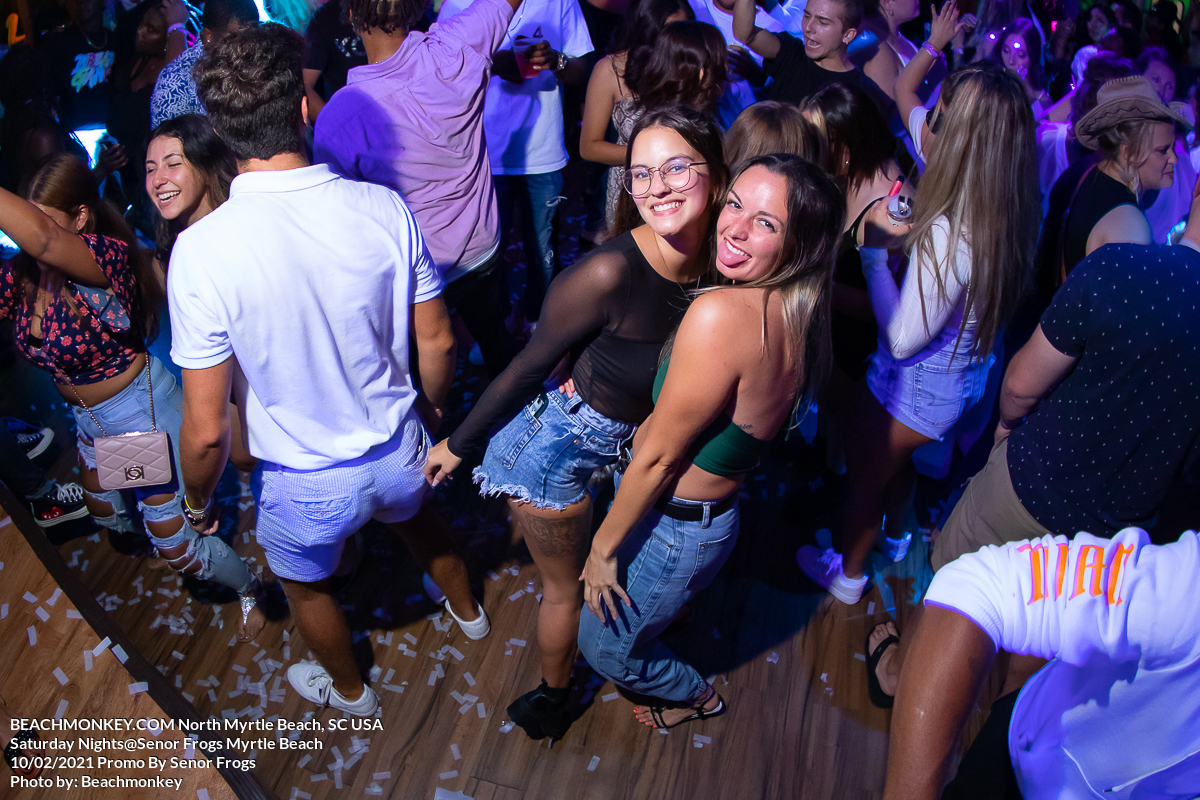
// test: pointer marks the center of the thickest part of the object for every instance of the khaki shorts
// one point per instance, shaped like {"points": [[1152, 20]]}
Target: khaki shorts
{"points": [[988, 513]]}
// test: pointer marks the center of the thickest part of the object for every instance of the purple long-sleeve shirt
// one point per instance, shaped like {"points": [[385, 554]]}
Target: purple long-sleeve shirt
{"points": [[414, 122]]}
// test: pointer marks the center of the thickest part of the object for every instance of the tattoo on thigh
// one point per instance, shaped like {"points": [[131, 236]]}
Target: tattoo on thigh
{"points": [[557, 538]]}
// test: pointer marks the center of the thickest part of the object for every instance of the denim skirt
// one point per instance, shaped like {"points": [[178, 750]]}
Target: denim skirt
{"points": [[931, 394]]}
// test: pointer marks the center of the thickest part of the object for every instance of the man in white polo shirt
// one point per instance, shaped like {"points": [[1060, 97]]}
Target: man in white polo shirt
{"points": [[300, 292]]}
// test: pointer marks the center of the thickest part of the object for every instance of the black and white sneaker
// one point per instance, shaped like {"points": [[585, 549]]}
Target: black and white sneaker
{"points": [[33, 440], [62, 503]]}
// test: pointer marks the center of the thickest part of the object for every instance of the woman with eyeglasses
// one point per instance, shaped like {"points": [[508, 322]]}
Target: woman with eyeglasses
{"points": [[611, 312], [747, 353]]}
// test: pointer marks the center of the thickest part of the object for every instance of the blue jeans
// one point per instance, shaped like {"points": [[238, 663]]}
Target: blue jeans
{"points": [[538, 197], [662, 564], [129, 411], [548, 452]]}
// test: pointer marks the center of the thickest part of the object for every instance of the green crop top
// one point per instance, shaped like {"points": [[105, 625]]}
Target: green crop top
{"points": [[722, 448]]}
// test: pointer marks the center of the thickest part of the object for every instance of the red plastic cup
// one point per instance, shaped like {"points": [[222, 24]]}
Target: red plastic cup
{"points": [[521, 45]]}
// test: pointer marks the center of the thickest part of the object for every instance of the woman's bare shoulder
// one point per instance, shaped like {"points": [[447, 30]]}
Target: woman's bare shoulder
{"points": [[730, 312]]}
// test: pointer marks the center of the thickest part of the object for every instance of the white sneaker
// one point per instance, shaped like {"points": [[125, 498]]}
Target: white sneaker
{"points": [[313, 683], [825, 570], [476, 628]]}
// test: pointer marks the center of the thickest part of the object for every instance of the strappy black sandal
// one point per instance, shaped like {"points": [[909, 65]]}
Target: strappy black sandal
{"points": [[879, 698], [698, 712]]}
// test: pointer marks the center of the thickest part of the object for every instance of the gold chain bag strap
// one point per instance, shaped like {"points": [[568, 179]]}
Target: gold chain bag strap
{"points": [[139, 458]]}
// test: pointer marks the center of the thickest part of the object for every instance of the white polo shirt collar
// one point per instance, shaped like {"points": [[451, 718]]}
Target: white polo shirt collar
{"points": [[281, 180]]}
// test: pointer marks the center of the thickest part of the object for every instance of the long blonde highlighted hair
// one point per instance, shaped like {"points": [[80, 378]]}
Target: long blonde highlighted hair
{"points": [[982, 177], [802, 275]]}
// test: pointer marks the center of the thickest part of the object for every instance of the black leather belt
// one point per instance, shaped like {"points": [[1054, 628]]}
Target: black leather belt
{"points": [[669, 507], [688, 512]]}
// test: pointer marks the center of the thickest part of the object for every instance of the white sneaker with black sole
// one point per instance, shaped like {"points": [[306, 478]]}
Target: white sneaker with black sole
{"points": [[313, 683]]}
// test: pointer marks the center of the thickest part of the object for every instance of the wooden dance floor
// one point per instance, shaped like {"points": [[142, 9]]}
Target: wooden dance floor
{"points": [[788, 659]]}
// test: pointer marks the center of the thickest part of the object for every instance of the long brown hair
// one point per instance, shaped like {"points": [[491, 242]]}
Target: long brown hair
{"points": [[860, 144], [982, 178], [66, 184], [207, 154], [687, 66]]}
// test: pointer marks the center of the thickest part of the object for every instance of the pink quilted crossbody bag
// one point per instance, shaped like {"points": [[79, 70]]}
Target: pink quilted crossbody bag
{"points": [[140, 458]]}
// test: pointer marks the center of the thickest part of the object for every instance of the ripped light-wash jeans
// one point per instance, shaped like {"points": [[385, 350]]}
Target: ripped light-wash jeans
{"points": [[548, 452], [662, 564], [129, 411]]}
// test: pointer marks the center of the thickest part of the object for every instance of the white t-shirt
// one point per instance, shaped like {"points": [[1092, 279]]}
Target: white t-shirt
{"points": [[707, 11], [308, 281], [1116, 713], [739, 94], [790, 15], [916, 124], [1053, 159], [523, 122]]}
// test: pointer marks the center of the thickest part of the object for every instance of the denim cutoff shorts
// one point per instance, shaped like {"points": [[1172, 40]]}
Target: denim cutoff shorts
{"points": [[547, 453], [128, 412], [928, 395]]}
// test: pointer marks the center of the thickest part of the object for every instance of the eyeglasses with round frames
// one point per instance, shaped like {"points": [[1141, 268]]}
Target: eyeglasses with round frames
{"points": [[676, 174]]}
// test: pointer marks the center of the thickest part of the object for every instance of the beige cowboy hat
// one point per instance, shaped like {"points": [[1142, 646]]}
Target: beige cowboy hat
{"points": [[1121, 100]]}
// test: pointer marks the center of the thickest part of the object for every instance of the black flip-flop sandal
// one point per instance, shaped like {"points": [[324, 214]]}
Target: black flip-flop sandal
{"points": [[698, 712], [879, 698], [14, 749]]}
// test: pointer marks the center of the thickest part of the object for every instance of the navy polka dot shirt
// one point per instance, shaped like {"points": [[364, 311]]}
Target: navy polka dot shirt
{"points": [[1103, 450]]}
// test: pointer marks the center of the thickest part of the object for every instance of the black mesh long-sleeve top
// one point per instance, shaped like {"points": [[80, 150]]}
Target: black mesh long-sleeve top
{"points": [[613, 313]]}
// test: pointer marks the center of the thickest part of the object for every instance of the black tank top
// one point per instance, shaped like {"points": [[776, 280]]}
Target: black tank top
{"points": [[1097, 195], [613, 312], [853, 340]]}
